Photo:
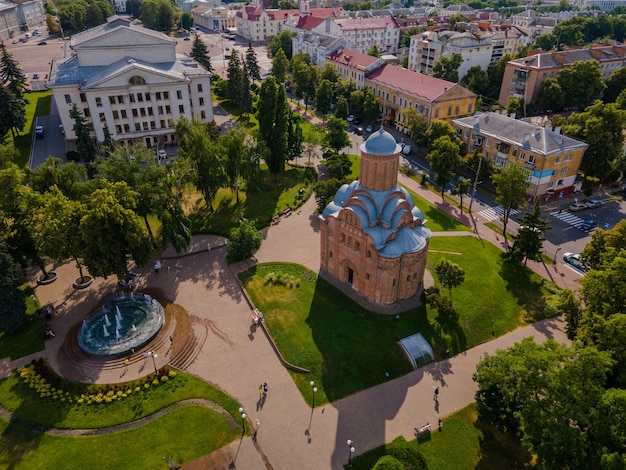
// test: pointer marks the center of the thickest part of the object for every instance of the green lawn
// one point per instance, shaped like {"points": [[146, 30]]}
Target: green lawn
{"points": [[348, 348], [38, 105], [464, 443], [185, 434], [273, 199], [26, 403]]}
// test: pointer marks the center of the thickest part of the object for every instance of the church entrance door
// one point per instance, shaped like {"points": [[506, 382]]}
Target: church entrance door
{"points": [[350, 276]]}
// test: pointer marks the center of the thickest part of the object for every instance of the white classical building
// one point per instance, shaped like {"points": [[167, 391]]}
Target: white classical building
{"points": [[361, 34], [129, 79], [219, 18], [316, 45], [9, 21]]}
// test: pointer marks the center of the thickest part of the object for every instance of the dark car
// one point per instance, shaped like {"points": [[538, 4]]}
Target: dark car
{"points": [[42, 43], [40, 132], [588, 224], [358, 130], [187, 38]]}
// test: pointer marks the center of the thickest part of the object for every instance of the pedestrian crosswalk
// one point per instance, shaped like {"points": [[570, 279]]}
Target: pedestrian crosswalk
{"points": [[493, 213], [568, 218]]}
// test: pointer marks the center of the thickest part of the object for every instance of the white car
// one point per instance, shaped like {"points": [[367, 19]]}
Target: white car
{"points": [[577, 206], [351, 118], [574, 260], [162, 154], [406, 149], [592, 204]]}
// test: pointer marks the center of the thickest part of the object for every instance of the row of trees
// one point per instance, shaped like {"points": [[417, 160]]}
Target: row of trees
{"points": [[13, 109]]}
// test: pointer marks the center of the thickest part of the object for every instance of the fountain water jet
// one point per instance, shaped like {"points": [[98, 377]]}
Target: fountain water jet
{"points": [[104, 330], [106, 320]]}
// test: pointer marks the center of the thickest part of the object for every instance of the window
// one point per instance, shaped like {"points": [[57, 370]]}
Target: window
{"points": [[181, 108], [168, 110], [87, 112], [118, 128], [202, 115], [98, 101], [488, 144], [116, 114], [466, 133], [200, 87], [150, 112], [131, 98], [111, 99], [142, 111], [136, 80], [102, 118], [137, 127], [152, 125], [162, 122], [558, 159], [179, 94], [456, 109], [201, 101], [469, 107], [160, 109], [158, 95], [120, 99], [564, 170], [126, 128], [449, 110], [166, 95], [145, 126], [367, 276], [139, 97], [559, 182], [147, 95], [531, 159], [135, 113], [568, 157], [124, 114]]}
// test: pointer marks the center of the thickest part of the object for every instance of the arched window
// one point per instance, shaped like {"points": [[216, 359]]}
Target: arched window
{"points": [[136, 80]]}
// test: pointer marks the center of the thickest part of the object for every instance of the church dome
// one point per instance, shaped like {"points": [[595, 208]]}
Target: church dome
{"points": [[380, 142]]}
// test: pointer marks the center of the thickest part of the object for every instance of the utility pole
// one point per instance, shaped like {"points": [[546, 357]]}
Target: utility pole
{"points": [[475, 183]]}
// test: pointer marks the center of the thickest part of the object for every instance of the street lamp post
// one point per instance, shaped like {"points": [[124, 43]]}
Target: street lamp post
{"points": [[243, 422], [314, 388], [351, 450], [154, 358]]}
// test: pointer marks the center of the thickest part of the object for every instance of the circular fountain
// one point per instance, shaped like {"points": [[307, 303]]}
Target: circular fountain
{"points": [[121, 324]]}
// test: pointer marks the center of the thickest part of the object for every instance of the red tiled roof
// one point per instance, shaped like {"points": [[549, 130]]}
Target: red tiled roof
{"points": [[307, 23], [352, 58], [413, 83]]}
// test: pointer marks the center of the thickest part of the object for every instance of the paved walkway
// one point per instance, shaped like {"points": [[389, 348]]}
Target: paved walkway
{"points": [[238, 358]]}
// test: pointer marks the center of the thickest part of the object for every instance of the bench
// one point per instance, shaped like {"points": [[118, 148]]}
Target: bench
{"points": [[275, 220], [422, 430], [287, 212]]}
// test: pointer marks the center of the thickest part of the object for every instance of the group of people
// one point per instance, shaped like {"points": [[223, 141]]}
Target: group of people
{"points": [[263, 390], [257, 316]]}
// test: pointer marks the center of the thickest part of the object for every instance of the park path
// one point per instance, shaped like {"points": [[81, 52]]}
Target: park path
{"points": [[238, 358]]}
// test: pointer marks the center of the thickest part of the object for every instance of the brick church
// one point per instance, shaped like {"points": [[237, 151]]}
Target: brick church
{"points": [[372, 235]]}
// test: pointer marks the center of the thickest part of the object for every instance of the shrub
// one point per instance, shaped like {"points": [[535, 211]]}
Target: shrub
{"points": [[243, 241], [387, 462]]}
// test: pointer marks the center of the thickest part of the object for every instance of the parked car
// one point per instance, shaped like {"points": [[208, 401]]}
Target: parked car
{"points": [[162, 154], [368, 129], [592, 204], [406, 150], [35, 76], [577, 206], [351, 118], [42, 43], [358, 130], [187, 38], [588, 224], [573, 259], [39, 132]]}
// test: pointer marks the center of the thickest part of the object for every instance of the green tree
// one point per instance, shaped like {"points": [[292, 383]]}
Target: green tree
{"points": [[12, 73], [373, 51], [112, 233], [371, 105], [282, 41], [581, 83], [246, 94], [600, 126], [85, 144], [495, 72], [243, 241], [234, 87], [342, 110], [510, 184], [203, 156], [186, 21], [160, 15], [344, 88], [448, 68], [477, 80], [325, 192], [239, 161], [72, 16], [133, 8], [439, 128], [450, 275], [528, 243], [12, 113], [93, 16], [13, 312], [254, 72], [443, 158], [65, 176], [336, 134], [324, 97], [200, 53], [567, 304], [406, 37], [461, 188], [615, 84], [280, 64], [387, 462], [602, 242], [515, 106], [305, 77], [272, 111], [295, 137], [329, 72], [417, 125], [551, 95]]}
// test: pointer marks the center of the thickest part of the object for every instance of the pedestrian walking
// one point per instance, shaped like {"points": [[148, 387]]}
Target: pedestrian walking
{"points": [[157, 266], [436, 393], [265, 388], [256, 430], [260, 391]]}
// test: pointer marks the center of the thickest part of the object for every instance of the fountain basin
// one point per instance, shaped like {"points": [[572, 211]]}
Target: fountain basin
{"points": [[120, 325]]}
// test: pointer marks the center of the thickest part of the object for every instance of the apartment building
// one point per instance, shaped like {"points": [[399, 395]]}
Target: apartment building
{"points": [[549, 159], [353, 65], [130, 80], [214, 18]]}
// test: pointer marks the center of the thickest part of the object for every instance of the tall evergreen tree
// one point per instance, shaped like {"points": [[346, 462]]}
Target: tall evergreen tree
{"points": [[11, 72], [234, 86], [12, 113], [529, 240], [254, 72], [280, 64], [200, 53], [85, 144], [272, 115], [246, 96], [294, 138], [13, 311]]}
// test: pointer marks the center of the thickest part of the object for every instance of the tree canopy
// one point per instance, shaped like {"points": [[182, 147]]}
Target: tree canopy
{"points": [[510, 184]]}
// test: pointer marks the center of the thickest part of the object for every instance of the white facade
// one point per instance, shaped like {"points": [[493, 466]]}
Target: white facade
{"points": [[31, 14], [9, 22], [129, 79], [214, 19], [316, 45], [363, 33]]}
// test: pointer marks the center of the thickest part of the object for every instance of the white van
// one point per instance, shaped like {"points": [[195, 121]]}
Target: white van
{"points": [[27, 35], [406, 150]]}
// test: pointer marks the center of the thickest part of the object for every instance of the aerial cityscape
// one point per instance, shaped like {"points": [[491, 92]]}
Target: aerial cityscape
{"points": [[304, 235]]}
